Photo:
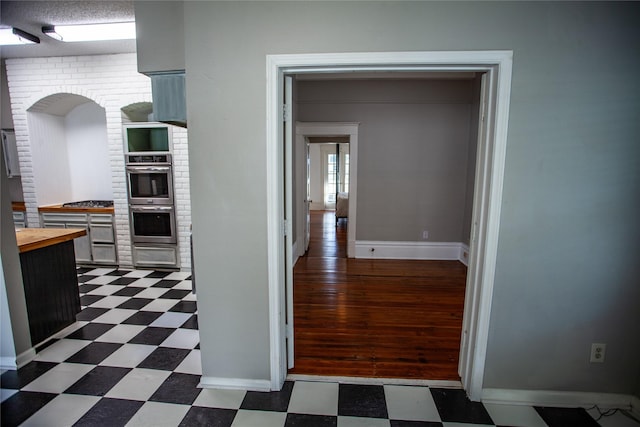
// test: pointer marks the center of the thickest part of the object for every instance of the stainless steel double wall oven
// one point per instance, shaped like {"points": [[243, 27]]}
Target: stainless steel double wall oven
{"points": [[151, 199], [149, 170]]}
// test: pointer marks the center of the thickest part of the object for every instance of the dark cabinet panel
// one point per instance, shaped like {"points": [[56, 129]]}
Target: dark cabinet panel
{"points": [[51, 289]]}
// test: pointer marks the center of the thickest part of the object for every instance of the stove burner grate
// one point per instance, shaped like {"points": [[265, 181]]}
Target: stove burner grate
{"points": [[89, 204]]}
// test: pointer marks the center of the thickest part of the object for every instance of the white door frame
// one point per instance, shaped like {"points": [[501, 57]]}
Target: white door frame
{"points": [[487, 201], [310, 129]]}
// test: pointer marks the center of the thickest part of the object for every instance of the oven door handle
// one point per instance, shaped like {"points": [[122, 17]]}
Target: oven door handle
{"points": [[148, 168], [151, 208]]}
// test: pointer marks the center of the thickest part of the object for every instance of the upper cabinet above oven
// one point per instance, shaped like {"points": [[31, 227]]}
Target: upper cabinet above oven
{"points": [[147, 138], [160, 49]]}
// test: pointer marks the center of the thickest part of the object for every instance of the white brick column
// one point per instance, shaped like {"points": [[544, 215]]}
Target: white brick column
{"points": [[182, 193]]}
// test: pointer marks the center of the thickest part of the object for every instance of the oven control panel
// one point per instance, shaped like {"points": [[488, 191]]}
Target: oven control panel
{"points": [[145, 159]]}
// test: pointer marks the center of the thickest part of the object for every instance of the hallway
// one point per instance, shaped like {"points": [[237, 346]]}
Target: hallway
{"points": [[374, 318]]}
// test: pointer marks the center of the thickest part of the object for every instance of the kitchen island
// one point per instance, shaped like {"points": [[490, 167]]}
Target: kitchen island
{"points": [[50, 281]]}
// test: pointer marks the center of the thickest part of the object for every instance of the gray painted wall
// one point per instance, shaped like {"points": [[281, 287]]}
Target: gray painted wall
{"points": [[569, 235], [6, 119], [11, 190], [6, 122], [7, 348], [159, 35], [413, 144], [12, 272]]}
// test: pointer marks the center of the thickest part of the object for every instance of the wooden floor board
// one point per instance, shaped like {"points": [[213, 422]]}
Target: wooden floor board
{"points": [[374, 318]]}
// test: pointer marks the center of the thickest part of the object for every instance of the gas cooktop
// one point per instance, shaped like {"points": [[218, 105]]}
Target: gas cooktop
{"points": [[89, 204]]}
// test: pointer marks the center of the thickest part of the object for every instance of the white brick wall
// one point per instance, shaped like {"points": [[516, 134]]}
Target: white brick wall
{"points": [[113, 82]]}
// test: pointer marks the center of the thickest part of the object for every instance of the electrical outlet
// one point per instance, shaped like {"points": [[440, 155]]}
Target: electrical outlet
{"points": [[425, 235], [597, 352]]}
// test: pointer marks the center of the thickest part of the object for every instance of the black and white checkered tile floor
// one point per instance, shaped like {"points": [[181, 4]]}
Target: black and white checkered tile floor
{"points": [[133, 359]]}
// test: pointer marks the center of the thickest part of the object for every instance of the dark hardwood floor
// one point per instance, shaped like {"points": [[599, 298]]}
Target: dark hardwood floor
{"points": [[374, 318]]}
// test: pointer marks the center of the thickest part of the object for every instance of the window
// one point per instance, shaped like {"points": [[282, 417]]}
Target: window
{"points": [[335, 171], [345, 162], [330, 181]]}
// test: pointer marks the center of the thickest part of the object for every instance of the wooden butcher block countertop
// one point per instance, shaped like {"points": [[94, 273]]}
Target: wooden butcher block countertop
{"points": [[60, 208], [35, 238], [18, 206]]}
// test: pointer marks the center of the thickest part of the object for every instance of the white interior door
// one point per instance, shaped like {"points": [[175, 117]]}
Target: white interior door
{"points": [[476, 269], [307, 200], [288, 219]]}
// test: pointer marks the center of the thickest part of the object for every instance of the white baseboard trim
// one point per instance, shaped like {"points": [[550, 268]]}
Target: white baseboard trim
{"points": [[408, 250], [564, 399], [463, 256], [25, 357], [235, 384], [8, 363]]}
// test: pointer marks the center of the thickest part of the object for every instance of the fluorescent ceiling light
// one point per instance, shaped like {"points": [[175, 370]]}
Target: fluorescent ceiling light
{"points": [[91, 32], [14, 36]]}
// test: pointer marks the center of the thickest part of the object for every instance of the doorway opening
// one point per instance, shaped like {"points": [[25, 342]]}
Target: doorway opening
{"points": [[307, 134], [333, 162], [496, 65], [327, 183], [420, 134]]}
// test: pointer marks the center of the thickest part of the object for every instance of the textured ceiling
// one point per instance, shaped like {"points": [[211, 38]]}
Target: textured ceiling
{"points": [[30, 16]]}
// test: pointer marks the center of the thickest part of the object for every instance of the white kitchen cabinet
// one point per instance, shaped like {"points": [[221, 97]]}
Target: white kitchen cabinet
{"points": [[103, 254], [98, 246], [101, 233], [19, 219], [101, 227], [82, 245], [103, 246]]}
